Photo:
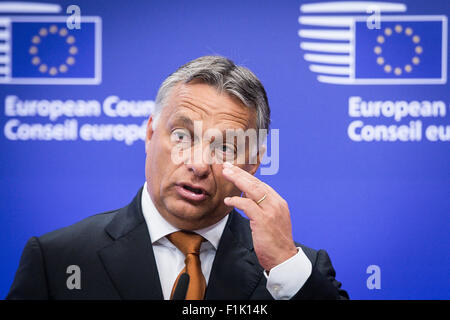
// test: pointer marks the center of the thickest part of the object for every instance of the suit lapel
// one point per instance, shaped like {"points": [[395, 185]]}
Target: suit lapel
{"points": [[236, 272], [129, 260]]}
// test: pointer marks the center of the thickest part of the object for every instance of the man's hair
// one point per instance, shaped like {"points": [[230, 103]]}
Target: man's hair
{"points": [[225, 76]]}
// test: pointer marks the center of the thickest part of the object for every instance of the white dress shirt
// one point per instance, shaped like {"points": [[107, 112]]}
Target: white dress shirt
{"points": [[283, 281]]}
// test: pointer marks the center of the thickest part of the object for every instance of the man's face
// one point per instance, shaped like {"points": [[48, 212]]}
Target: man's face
{"points": [[190, 194]]}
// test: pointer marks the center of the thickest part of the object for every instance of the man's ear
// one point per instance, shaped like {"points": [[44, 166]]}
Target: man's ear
{"points": [[149, 133], [253, 167]]}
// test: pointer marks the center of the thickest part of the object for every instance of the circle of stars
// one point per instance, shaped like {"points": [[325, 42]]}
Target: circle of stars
{"points": [[36, 60], [398, 70]]}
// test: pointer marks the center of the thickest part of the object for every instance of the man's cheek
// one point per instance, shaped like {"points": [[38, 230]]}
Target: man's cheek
{"points": [[162, 153], [229, 190]]}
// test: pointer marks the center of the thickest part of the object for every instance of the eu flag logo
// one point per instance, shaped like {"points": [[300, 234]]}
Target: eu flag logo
{"points": [[400, 50], [341, 48], [39, 50]]}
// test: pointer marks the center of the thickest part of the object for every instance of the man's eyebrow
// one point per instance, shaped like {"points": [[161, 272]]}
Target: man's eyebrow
{"points": [[184, 120]]}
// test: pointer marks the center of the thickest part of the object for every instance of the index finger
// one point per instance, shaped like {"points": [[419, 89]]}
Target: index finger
{"points": [[252, 186]]}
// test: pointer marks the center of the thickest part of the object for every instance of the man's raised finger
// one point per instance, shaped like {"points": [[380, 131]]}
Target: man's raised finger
{"points": [[247, 205], [246, 182]]}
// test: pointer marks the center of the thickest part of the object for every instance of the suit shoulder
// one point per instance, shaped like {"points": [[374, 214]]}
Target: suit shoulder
{"points": [[85, 232]]}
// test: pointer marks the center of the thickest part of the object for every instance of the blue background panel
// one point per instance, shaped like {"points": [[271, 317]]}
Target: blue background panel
{"points": [[366, 203]]}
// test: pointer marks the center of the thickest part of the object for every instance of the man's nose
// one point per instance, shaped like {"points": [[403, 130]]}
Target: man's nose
{"points": [[201, 160]]}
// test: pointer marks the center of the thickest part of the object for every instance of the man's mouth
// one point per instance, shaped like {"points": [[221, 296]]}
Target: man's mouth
{"points": [[191, 192], [195, 190]]}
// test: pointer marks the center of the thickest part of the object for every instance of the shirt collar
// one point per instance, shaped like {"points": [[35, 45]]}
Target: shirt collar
{"points": [[159, 227]]}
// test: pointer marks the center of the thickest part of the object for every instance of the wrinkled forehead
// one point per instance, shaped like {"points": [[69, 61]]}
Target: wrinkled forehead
{"points": [[203, 102]]}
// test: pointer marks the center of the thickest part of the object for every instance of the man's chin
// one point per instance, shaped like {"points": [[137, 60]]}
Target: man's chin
{"points": [[187, 212]]}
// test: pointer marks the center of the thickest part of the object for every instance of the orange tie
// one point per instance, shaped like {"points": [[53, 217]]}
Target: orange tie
{"points": [[189, 243]]}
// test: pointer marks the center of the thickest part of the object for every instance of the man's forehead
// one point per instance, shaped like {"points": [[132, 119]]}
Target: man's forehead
{"points": [[203, 102]]}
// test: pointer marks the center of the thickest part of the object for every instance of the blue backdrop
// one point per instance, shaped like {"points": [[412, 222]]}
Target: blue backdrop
{"points": [[382, 201]]}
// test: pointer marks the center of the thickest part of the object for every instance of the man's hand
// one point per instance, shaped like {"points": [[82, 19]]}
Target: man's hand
{"points": [[269, 220]]}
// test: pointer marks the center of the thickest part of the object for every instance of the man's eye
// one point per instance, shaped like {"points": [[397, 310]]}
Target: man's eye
{"points": [[226, 149], [180, 135]]}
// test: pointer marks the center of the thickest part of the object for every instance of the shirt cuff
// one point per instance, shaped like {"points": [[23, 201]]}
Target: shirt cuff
{"points": [[287, 278]]}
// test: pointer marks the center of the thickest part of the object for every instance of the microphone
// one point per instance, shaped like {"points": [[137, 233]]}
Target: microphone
{"points": [[181, 288]]}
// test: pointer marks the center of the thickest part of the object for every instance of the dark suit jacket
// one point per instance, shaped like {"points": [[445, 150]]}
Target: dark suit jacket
{"points": [[115, 256]]}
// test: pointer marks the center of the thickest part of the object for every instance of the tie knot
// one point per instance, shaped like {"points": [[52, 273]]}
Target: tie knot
{"points": [[187, 242]]}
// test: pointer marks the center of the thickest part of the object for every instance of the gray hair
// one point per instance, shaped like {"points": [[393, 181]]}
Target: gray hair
{"points": [[225, 76]]}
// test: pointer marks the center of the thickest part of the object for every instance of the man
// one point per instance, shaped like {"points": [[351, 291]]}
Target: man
{"points": [[183, 221]]}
